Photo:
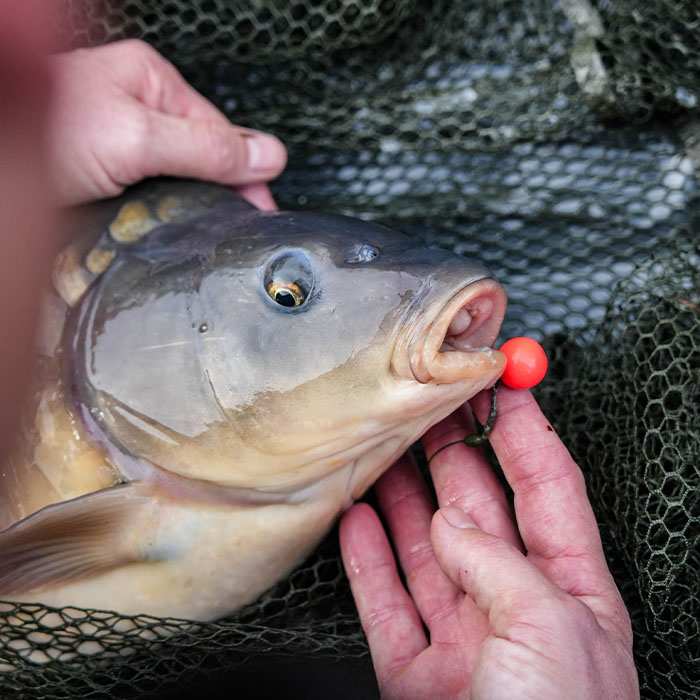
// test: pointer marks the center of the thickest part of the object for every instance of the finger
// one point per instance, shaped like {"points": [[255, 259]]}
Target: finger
{"points": [[259, 196], [208, 150], [505, 586], [174, 95], [552, 509], [408, 510], [391, 623], [154, 81], [159, 85], [463, 477]]}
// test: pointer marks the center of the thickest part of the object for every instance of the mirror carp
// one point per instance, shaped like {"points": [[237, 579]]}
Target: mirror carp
{"points": [[215, 385]]}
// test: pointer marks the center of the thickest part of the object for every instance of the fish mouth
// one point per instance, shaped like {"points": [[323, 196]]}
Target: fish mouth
{"points": [[456, 344]]}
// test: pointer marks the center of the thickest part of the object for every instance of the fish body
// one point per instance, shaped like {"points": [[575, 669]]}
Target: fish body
{"points": [[222, 383]]}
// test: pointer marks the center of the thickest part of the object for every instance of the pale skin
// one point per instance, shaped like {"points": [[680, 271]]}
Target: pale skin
{"points": [[517, 605], [121, 113]]}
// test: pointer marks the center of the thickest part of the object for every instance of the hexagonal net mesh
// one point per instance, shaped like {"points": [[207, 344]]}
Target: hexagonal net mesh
{"points": [[555, 141]]}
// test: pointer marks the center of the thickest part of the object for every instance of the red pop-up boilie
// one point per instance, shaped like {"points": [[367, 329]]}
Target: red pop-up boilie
{"points": [[526, 363]]}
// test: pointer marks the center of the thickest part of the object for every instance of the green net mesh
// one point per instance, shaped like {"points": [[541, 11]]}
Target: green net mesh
{"points": [[555, 141], [632, 420]]}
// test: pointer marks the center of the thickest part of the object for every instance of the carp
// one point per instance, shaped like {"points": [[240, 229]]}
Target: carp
{"points": [[219, 385]]}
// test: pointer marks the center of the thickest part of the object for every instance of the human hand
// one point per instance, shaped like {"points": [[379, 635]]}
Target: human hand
{"points": [[515, 608], [121, 112]]}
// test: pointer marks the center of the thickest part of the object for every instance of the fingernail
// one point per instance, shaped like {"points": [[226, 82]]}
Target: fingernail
{"points": [[457, 517], [264, 151]]}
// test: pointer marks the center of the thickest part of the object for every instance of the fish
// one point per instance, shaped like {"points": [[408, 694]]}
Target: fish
{"points": [[216, 384]]}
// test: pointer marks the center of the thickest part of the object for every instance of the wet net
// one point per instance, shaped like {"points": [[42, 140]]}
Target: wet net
{"points": [[558, 142]]}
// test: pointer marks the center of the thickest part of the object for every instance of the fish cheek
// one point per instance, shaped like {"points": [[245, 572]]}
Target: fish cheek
{"points": [[324, 415], [327, 369]]}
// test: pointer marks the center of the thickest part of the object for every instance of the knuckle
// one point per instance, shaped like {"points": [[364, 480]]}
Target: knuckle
{"points": [[566, 611], [479, 504], [384, 614], [402, 495], [134, 143], [441, 611], [139, 132], [483, 548], [489, 546], [544, 465], [224, 150], [419, 556], [139, 48], [146, 62], [545, 617], [372, 567]]}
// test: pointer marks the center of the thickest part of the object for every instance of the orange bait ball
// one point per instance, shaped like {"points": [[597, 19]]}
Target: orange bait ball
{"points": [[526, 363]]}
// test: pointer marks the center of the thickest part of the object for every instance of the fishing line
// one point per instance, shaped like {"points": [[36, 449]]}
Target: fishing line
{"points": [[476, 439]]}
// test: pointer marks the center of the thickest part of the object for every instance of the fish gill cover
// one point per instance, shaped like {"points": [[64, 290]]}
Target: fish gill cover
{"points": [[557, 142]]}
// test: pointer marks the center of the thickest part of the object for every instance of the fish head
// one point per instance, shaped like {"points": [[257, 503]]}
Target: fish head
{"points": [[271, 350]]}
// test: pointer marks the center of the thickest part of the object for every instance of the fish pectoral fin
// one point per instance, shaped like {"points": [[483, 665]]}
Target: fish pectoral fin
{"points": [[76, 539]]}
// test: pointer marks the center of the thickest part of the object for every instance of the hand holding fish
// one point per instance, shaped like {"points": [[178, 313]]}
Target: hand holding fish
{"points": [[513, 610], [121, 112]]}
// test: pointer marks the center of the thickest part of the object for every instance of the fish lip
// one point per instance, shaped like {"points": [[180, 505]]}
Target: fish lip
{"points": [[435, 355]]}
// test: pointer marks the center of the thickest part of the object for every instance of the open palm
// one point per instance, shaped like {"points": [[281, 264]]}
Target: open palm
{"points": [[490, 609]]}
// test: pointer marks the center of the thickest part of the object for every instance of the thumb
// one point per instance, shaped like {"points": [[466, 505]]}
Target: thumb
{"points": [[209, 150], [503, 583]]}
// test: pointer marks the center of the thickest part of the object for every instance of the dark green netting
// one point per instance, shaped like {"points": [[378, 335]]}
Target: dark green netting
{"points": [[632, 420], [557, 142]]}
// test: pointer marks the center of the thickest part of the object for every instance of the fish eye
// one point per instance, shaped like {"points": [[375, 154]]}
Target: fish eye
{"points": [[286, 294], [289, 279], [362, 254]]}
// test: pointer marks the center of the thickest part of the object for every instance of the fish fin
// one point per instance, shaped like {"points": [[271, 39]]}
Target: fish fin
{"points": [[75, 539]]}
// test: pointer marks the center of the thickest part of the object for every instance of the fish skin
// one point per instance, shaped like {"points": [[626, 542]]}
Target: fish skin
{"points": [[237, 429]]}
